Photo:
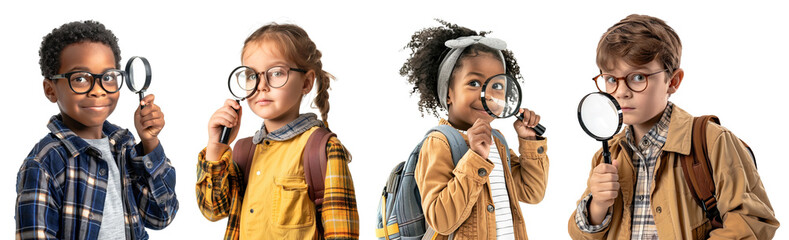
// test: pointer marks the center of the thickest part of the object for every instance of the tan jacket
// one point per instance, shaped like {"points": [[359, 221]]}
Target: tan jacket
{"points": [[742, 200], [456, 199]]}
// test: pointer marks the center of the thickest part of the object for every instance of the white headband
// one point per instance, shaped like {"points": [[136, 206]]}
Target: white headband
{"points": [[456, 47]]}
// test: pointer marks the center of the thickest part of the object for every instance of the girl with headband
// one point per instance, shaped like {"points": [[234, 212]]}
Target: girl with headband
{"points": [[477, 198]]}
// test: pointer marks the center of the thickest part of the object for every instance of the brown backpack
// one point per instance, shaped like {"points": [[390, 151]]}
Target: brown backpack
{"points": [[314, 160], [698, 171]]}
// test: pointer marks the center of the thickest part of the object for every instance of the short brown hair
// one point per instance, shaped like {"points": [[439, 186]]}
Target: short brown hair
{"points": [[296, 46], [637, 40]]}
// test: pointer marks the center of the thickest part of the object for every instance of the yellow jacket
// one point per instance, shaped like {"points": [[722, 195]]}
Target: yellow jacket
{"points": [[274, 204], [742, 200], [456, 199]]}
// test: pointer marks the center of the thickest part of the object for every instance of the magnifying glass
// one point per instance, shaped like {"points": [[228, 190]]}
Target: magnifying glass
{"points": [[242, 83], [501, 98], [601, 117], [138, 81]]}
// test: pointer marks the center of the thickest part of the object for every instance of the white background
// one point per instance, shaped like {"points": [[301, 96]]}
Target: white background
{"points": [[735, 58]]}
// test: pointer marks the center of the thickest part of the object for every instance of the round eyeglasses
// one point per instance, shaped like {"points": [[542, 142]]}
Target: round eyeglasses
{"points": [[247, 79], [82, 82], [635, 81]]}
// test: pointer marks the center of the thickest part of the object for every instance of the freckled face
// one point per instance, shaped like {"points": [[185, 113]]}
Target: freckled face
{"points": [[641, 107], [268, 102]]}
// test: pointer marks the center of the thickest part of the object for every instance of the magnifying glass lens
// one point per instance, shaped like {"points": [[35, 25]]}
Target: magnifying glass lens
{"points": [[138, 71], [501, 96], [137, 75], [243, 81], [600, 115]]}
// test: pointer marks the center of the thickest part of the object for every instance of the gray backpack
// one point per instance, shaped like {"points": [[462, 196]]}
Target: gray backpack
{"points": [[400, 213]]}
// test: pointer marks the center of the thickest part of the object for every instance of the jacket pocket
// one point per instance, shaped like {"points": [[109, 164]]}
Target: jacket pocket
{"points": [[469, 229], [292, 205], [702, 231]]}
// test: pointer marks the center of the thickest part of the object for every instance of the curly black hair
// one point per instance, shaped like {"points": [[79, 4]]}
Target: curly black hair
{"points": [[427, 51], [74, 32]]}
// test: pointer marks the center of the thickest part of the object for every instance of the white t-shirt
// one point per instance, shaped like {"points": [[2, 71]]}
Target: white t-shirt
{"points": [[501, 199]]}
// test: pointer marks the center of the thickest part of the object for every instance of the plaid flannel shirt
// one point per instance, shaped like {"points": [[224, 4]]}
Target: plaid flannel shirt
{"points": [[220, 186], [62, 185], [645, 157]]}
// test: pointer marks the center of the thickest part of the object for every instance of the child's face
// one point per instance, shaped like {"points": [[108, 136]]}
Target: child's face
{"points": [[90, 109], [463, 99], [646, 106], [275, 103]]}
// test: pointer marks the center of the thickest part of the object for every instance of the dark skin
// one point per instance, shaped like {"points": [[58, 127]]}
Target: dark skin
{"points": [[465, 107], [84, 114]]}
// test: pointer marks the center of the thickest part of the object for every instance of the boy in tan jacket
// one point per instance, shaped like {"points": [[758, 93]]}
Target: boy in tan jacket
{"points": [[643, 194]]}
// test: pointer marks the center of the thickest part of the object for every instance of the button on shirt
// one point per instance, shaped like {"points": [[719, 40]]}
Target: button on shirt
{"points": [[645, 156], [60, 183], [501, 199], [221, 188], [112, 223]]}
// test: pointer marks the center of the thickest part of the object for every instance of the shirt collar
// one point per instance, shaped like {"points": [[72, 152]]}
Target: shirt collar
{"points": [[75, 144], [656, 135], [296, 127]]}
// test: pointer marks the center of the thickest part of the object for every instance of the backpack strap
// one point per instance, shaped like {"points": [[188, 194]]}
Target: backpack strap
{"points": [[315, 160], [503, 140], [457, 145], [243, 151], [698, 171]]}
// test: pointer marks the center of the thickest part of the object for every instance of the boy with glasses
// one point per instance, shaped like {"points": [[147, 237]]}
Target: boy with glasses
{"points": [[643, 194], [87, 179]]}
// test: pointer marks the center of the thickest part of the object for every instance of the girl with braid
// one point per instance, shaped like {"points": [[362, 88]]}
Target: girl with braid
{"points": [[269, 196]]}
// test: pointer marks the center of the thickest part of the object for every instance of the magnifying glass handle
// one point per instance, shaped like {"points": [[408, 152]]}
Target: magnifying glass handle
{"points": [[539, 129], [225, 136], [141, 96], [606, 153]]}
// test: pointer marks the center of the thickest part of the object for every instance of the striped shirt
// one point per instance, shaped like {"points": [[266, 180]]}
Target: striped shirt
{"points": [[501, 199], [62, 185], [498, 191], [220, 186]]}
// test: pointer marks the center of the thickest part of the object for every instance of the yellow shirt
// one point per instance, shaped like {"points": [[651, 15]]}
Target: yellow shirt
{"points": [[276, 202]]}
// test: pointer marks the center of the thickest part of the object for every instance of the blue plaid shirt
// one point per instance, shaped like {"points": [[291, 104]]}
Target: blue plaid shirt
{"points": [[62, 185]]}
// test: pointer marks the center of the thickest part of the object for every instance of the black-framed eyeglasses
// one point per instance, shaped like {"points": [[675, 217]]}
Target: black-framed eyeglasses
{"points": [[635, 81], [82, 82], [275, 77]]}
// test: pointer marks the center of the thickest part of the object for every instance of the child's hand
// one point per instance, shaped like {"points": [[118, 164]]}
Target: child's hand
{"points": [[149, 121], [226, 116], [479, 138], [604, 185], [524, 127]]}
